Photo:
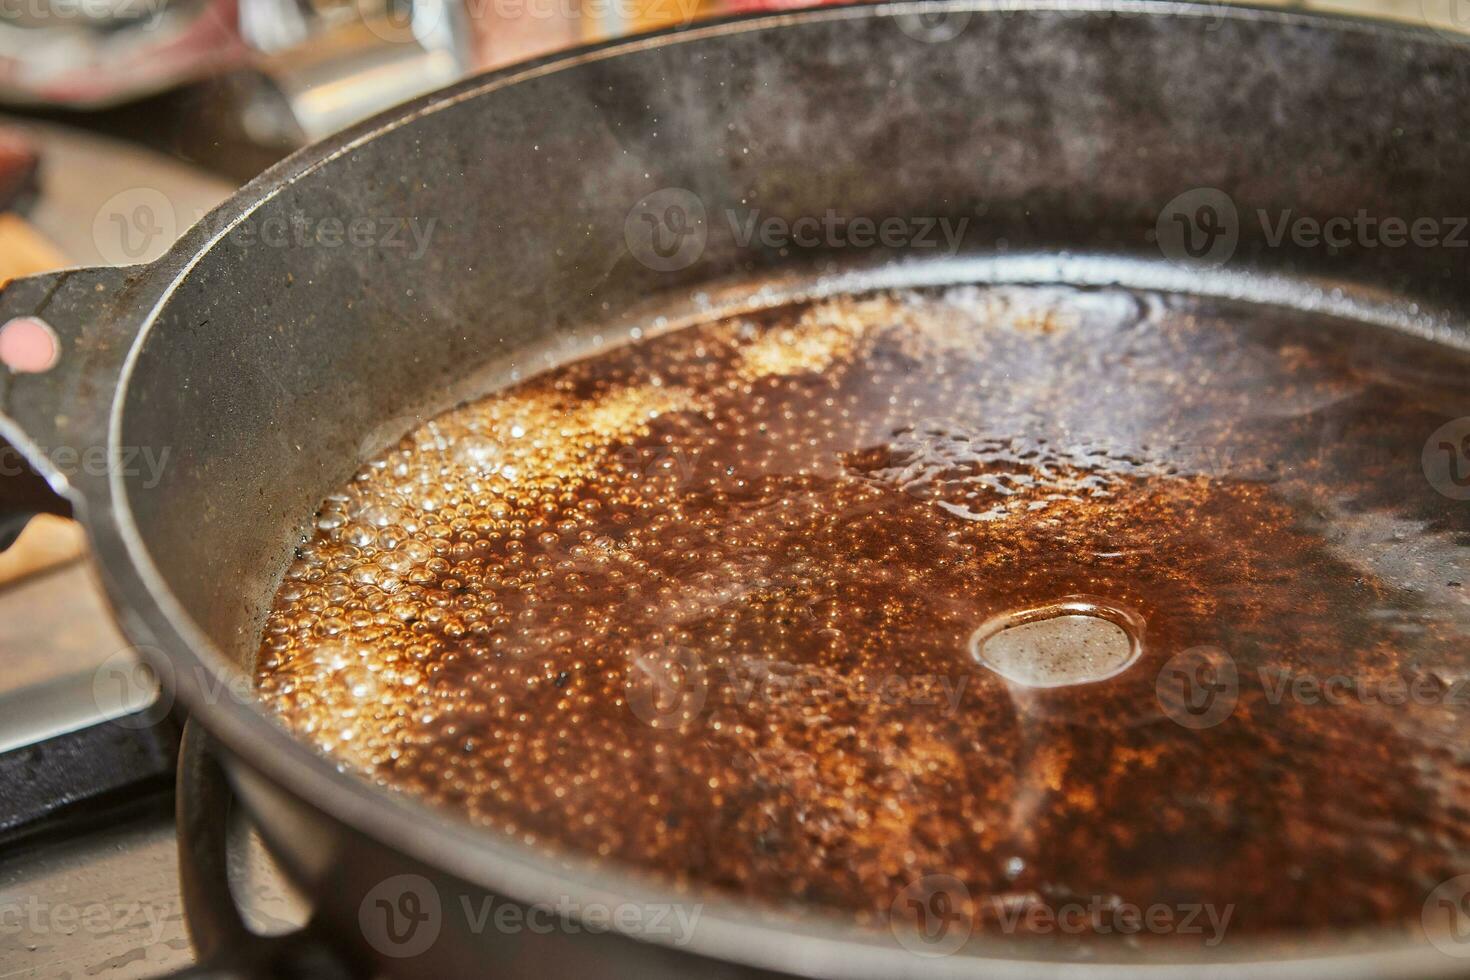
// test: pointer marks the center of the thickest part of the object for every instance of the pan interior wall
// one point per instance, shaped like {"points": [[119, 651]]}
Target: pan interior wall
{"points": [[483, 241]]}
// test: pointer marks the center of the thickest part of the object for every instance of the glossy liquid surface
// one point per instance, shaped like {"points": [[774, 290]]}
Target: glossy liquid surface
{"points": [[703, 605]]}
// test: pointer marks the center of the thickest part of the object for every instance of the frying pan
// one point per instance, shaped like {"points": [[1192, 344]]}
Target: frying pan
{"points": [[565, 199]]}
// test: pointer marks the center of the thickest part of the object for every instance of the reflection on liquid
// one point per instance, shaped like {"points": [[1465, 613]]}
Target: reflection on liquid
{"points": [[703, 605], [1075, 640]]}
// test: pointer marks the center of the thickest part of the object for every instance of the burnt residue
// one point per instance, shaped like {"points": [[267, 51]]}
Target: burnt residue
{"points": [[701, 606]]}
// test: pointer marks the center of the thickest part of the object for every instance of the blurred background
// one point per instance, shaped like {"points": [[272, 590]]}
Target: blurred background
{"points": [[122, 123], [230, 85], [180, 101]]}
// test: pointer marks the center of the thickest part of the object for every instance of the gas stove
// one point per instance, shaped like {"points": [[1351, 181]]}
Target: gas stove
{"points": [[90, 814], [89, 862], [89, 867]]}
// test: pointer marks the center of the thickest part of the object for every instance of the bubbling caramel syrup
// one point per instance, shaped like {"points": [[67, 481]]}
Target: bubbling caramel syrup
{"points": [[706, 605]]}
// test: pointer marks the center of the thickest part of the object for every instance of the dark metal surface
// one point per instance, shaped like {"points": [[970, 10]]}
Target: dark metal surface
{"points": [[69, 776], [225, 944], [26, 494], [122, 854], [269, 370]]}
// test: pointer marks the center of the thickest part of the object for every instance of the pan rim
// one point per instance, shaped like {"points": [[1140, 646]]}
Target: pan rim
{"points": [[730, 929]]}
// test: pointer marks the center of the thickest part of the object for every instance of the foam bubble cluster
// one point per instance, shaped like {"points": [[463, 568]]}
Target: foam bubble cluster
{"points": [[703, 605]]}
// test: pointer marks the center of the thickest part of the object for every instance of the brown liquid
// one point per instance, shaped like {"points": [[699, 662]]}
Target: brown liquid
{"points": [[704, 605]]}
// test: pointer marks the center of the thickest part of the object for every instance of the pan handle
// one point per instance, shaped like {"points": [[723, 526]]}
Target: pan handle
{"points": [[63, 339], [23, 494], [227, 948]]}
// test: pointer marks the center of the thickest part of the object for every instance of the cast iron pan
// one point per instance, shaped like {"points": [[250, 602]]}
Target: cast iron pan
{"points": [[1086, 143]]}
